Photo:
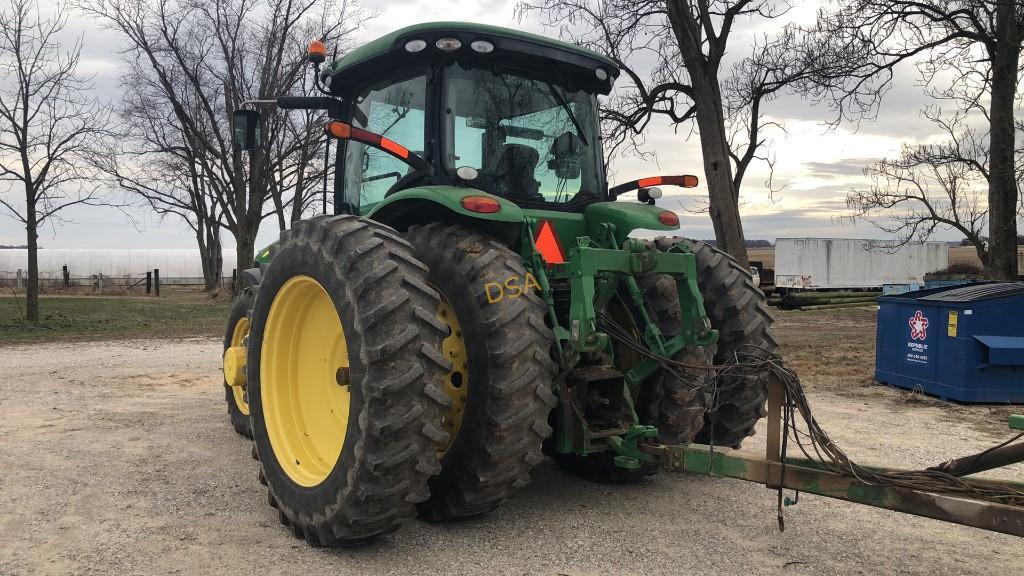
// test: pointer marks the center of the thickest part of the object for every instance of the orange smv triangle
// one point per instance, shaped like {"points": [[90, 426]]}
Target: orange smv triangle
{"points": [[547, 244]]}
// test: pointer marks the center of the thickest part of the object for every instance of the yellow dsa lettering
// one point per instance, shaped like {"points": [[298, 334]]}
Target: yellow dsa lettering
{"points": [[513, 287], [494, 297], [531, 282]]}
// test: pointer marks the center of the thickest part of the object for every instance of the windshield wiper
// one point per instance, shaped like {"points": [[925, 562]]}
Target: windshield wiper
{"points": [[565, 106]]}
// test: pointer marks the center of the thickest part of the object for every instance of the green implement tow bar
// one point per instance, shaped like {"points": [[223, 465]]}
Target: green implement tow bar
{"points": [[811, 477], [778, 472], [628, 447]]}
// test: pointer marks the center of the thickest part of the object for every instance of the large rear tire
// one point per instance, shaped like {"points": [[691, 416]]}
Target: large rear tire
{"points": [[666, 401], [675, 405], [738, 310], [345, 380], [502, 372], [237, 334]]}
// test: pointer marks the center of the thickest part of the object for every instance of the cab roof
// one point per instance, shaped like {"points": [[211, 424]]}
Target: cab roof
{"points": [[530, 49]]}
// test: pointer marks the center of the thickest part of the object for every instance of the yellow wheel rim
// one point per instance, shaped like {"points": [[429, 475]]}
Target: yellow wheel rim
{"points": [[239, 337], [304, 381], [456, 383]]}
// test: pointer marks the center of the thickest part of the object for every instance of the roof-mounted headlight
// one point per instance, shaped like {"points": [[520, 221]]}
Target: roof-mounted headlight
{"points": [[448, 44], [415, 45], [482, 46], [601, 74]]}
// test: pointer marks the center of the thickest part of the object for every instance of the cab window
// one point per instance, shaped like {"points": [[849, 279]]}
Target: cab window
{"points": [[391, 109], [530, 140]]}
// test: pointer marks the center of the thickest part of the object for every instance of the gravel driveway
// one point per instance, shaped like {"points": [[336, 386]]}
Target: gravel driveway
{"points": [[117, 457]]}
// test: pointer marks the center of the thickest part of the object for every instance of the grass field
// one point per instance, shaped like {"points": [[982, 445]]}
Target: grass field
{"points": [[90, 317]]}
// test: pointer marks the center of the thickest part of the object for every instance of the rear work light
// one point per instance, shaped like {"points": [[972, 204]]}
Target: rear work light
{"points": [[481, 204], [415, 45], [482, 46], [668, 218], [448, 44]]}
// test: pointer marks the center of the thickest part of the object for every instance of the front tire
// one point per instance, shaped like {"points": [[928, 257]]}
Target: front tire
{"points": [[237, 334], [502, 372], [345, 376]]}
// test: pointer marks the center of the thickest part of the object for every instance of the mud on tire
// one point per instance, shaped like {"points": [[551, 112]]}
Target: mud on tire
{"points": [[507, 388], [388, 314]]}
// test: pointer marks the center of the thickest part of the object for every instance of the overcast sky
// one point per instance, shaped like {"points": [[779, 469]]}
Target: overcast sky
{"points": [[815, 166]]}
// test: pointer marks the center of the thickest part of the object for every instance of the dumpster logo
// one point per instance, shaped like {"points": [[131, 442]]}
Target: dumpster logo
{"points": [[918, 326]]}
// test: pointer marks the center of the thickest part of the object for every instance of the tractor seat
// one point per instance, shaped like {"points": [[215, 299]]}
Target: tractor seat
{"points": [[511, 173]]}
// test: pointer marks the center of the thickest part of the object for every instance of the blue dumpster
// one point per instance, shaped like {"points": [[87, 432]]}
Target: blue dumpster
{"points": [[963, 343]]}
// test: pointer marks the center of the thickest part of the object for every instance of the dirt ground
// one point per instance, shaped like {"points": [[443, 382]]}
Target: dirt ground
{"points": [[118, 457]]}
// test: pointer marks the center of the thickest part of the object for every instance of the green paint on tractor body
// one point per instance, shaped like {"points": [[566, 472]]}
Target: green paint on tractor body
{"points": [[395, 42]]}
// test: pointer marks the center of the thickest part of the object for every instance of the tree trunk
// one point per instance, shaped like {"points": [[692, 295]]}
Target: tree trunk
{"points": [[277, 197], [245, 240], [1002, 188], [982, 251], [707, 98], [210, 252], [32, 291], [216, 259], [300, 185], [722, 196]]}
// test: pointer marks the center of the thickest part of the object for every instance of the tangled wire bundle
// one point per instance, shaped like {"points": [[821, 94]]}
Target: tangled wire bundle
{"points": [[810, 437]]}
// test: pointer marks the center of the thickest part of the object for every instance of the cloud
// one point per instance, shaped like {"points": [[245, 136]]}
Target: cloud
{"points": [[843, 167]]}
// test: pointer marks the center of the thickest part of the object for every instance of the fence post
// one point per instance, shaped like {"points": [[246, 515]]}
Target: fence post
{"points": [[149, 282], [234, 279], [156, 281], [18, 281], [99, 282], [67, 276]]}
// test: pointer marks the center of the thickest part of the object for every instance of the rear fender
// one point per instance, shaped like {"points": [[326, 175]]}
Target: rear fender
{"points": [[625, 216], [425, 204]]}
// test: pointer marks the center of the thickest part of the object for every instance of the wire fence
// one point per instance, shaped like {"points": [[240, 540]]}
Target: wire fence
{"points": [[149, 282]]}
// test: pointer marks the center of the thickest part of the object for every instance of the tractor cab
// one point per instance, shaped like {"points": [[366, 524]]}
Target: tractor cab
{"points": [[472, 123], [504, 112]]}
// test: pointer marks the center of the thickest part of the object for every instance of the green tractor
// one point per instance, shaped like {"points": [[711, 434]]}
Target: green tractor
{"points": [[476, 301]]}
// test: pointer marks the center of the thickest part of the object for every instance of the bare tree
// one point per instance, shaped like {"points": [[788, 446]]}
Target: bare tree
{"points": [[298, 164], [687, 41], [971, 48], [202, 60], [153, 162], [931, 186], [49, 126]]}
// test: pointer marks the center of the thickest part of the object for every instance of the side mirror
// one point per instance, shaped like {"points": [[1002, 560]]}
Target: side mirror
{"points": [[245, 133]]}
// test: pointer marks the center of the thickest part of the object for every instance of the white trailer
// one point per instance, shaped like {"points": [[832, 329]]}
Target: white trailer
{"points": [[834, 263]]}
